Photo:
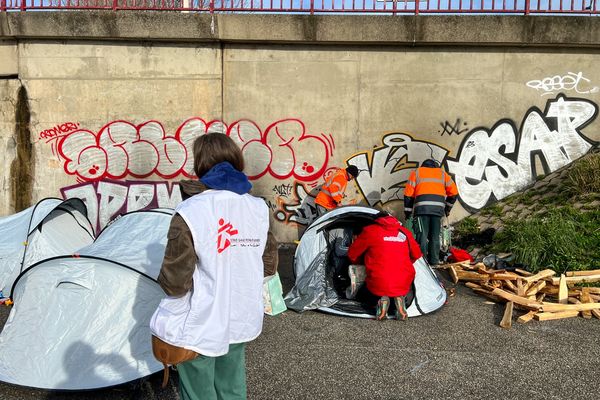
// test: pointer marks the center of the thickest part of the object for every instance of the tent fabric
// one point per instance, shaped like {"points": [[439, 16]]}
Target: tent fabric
{"points": [[315, 287], [52, 227], [82, 322]]}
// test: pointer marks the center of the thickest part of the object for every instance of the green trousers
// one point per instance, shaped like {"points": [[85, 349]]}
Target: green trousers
{"points": [[214, 378], [428, 236]]}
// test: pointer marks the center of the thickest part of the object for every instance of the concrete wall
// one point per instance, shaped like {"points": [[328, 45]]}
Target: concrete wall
{"points": [[498, 99]]}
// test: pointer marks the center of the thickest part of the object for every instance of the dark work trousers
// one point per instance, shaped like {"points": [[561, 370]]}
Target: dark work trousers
{"points": [[428, 236]]}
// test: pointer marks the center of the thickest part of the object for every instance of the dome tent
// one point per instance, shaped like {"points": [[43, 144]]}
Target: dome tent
{"points": [[82, 322], [51, 227], [319, 286]]}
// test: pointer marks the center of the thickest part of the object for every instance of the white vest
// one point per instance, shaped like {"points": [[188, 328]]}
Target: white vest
{"points": [[225, 305]]}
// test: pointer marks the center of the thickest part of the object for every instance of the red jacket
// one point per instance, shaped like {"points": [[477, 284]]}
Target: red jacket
{"points": [[389, 252]]}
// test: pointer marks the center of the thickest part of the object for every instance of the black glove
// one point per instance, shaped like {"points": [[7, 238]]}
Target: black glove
{"points": [[447, 211], [407, 215]]}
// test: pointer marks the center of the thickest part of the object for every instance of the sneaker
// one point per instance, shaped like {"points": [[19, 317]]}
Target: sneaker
{"points": [[382, 308], [401, 313]]}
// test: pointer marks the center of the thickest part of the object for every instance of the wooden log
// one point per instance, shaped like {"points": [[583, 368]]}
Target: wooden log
{"points": [[595, 297], [585, 298], [523, 272], [547, 316], [472, 285], [489, 295], [525, 318], [471, 276], [547, 273], [553, 307], [521, 287], [583, 273], [510, 286], [506, 322], [459, 264], [536, 288], [571, 280], [453, 274], [563, 290], [505, 276], [529, 304], [540, 297]]}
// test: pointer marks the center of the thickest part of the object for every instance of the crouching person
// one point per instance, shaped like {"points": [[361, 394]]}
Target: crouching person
{"points": [[388, 251], [213, 274]]}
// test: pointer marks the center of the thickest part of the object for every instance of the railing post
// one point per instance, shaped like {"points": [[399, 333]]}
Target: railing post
{"points": [[212, 6], [312, 7], [2, 5], [417, 7], [527, 6], [115, 5], [23, 5]]}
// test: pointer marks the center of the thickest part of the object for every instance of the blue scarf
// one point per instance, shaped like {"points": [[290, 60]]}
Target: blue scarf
{"points": [[224, 176]]}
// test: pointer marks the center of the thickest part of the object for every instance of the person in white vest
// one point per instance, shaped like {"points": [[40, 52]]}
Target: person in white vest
{"points": [[214, 304]]}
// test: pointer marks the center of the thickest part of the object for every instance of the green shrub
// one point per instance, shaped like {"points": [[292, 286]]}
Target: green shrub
{"points": [[466, 226], [583, 177], [561, 239]]}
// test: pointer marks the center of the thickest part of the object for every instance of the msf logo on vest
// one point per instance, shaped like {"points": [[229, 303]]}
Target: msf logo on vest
{"points": [[226, 230]]}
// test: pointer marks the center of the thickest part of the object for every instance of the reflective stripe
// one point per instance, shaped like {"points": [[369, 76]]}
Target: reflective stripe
{"points": [[429, 203], [407, 209], [432, 180]]}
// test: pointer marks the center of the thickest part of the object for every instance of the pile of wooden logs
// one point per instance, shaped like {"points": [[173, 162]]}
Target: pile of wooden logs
{"points": [[543, 296]]}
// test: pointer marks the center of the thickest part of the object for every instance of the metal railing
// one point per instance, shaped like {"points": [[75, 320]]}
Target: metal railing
{"points": [[525, 7]]}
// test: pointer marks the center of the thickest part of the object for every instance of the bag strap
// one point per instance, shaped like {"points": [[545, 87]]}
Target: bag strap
{"points": [[165, 376]]}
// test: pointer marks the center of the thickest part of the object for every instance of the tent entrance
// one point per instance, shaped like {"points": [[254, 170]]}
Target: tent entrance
{"points": [[338, 236]]}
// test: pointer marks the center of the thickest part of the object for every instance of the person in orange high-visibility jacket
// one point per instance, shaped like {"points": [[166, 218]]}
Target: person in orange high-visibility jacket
{"points": [[429, 194], [332, 192]]}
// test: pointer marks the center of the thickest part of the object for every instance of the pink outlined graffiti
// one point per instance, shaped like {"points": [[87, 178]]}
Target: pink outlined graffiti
{"points": [[121, 149]]}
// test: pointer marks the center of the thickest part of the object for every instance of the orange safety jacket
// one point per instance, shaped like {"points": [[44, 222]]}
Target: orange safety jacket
{"points": [[429, 191], [332, 191]]}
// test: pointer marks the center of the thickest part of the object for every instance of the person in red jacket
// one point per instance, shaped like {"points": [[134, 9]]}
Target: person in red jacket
{"points": [[389, 251]]}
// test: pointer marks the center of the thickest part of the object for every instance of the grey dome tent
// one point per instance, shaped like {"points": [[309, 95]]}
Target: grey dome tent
{"points": [[82, 321], [52, 227], [321, 285]]}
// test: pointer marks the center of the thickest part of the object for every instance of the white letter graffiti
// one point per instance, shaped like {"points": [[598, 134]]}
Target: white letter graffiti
{"points": [[107, 199], [490, 163], [557, 83], [391, 165]]}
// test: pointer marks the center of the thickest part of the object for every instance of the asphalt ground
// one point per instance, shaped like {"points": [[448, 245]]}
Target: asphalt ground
{"points": [[458, 352]]}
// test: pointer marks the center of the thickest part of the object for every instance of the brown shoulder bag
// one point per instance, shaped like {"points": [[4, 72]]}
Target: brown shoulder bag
{"points": [[168, 354]]}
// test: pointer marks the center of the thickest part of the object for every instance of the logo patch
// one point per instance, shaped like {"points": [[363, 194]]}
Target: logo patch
{"points": [[223, 241]]}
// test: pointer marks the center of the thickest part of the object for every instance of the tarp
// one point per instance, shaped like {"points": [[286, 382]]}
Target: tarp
{"points": [[314, 287], [82, 322], [52, 227]]}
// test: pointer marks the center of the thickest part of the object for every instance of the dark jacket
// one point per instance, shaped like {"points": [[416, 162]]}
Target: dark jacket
{"points": [[175, 276]]}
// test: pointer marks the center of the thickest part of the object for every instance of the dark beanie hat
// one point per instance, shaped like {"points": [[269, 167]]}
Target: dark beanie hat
{"points": [[352, 170]]}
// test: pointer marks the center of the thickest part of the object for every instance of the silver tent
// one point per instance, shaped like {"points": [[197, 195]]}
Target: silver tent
{"points": [[50, 228], [82, 322], [316, 285]]}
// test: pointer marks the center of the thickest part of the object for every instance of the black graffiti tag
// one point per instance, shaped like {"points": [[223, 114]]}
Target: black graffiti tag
{"points": [[453, 129]]}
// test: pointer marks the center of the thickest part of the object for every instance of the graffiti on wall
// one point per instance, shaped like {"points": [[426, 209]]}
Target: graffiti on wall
{"points": [[107, 199], [569, 82], [385, 170], [122, 149], [490, 164], [453, 129], [500, 161], [58, 130]]}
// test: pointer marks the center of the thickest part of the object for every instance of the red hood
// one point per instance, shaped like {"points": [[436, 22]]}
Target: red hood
{"points": [[388, 223]]}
